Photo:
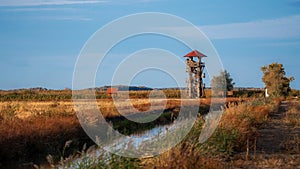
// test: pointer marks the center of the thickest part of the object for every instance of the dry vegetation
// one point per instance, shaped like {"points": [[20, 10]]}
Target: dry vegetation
{"points": [[292, 116], [30, 130], [233, 145], [236, 133]]}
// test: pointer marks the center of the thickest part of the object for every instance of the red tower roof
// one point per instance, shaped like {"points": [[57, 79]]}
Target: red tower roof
{"points": [[195, 53]]}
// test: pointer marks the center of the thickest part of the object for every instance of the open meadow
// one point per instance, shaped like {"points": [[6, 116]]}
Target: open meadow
{"points": [[32, 130]]}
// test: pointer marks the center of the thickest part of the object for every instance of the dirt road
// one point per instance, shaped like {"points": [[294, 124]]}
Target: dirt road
{"points": [[277, 145]]}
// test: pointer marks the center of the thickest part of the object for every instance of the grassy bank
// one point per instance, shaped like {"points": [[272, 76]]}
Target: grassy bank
{"points": [[36, 129], [29, 130], [236, 133]]}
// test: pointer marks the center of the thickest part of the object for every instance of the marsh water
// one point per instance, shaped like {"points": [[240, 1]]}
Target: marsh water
{"points": [[136, 139]]}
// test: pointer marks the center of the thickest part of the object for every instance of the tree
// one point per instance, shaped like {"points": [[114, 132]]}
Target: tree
{"points": [[275, 80], [222, 82]]}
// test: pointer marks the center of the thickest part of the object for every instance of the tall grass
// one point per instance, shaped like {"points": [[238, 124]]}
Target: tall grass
{"points": [[235, 133], [292, 116], [240, 124], [33, 127], [33, 138]]}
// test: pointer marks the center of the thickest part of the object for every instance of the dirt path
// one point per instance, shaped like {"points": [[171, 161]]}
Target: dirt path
{"points": [[276, 133], [277, 145]]}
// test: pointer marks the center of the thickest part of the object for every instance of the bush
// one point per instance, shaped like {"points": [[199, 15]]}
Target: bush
{"points": [[295, 93]]}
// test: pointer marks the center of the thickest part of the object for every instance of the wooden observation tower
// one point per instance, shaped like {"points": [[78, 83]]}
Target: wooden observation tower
{"points": [[194, 68]]}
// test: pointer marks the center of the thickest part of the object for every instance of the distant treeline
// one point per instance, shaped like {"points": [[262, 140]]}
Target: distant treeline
{"points": [[42, 94], [66, 95], [35, 95], [124, 88]]}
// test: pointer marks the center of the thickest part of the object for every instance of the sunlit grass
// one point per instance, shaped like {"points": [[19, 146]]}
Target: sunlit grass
{"points": [[292, 116], [26, 122], [239, 125]]}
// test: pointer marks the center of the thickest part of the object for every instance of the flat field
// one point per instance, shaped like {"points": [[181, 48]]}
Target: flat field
{"points": [[31, 130]]}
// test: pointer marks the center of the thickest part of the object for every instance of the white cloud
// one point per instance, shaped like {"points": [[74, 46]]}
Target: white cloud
{"points": [[47, 2], [285, 27], [33, 9], [67, 18], [278, 44], [18, 3], [128, 2], [145, 1]]}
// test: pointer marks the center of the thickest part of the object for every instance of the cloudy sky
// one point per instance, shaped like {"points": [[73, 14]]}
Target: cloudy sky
{"points": [[40, 40]]}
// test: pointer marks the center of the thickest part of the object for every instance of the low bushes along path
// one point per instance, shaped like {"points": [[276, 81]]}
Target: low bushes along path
{"points": [[277, 144]]}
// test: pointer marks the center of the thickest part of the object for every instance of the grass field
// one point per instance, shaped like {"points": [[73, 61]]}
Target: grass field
{"points": [[237, 142], [31, 130], [37, 128]]}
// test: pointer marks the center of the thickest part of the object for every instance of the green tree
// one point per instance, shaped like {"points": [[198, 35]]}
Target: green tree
{"points": [[222, 82], [275, 80]]}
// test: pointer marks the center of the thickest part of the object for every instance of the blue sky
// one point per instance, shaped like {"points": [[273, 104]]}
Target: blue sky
{"points": [[40, 40]]}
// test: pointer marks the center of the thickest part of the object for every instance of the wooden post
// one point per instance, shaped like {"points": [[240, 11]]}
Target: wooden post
{"points": [[247, 149]]}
